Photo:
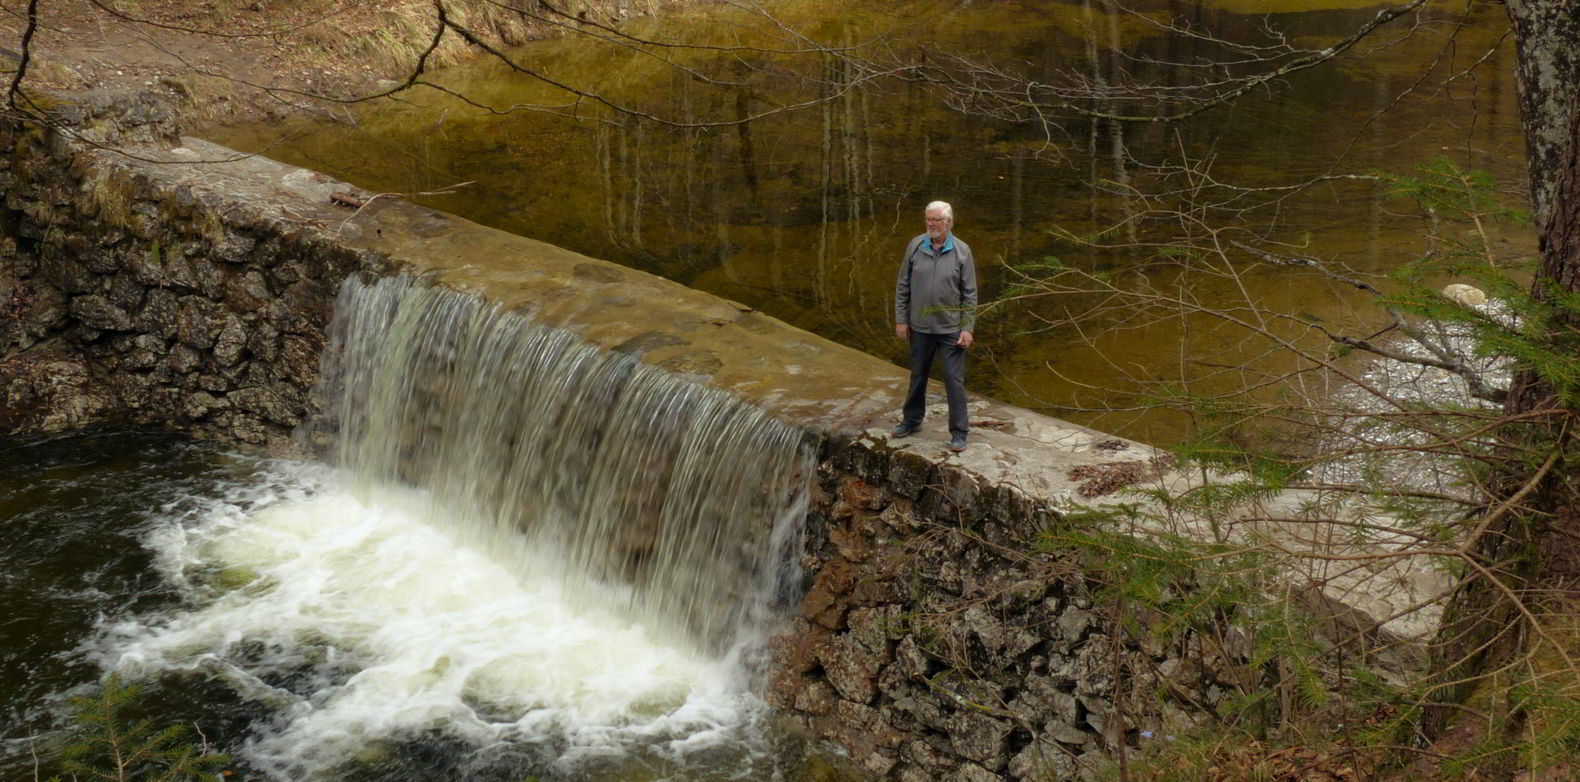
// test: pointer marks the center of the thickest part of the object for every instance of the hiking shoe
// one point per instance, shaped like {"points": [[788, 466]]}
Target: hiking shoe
{"points": [[905, 430], [957, 443]]}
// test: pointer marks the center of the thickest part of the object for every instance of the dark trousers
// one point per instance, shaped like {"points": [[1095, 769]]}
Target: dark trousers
{"points": [[923, 348]]}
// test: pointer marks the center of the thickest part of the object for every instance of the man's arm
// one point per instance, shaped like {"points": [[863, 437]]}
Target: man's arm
{"points": [[968, 298], [902, 294]]}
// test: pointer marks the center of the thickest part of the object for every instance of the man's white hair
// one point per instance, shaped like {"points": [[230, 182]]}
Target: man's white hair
{"points": [[941, 206]]}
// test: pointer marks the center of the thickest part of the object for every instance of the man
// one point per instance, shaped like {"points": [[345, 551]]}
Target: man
{"points": [[935, 300]]}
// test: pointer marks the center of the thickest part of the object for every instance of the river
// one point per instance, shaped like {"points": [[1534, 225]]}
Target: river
{"points": [[336, 623], [803, 214]]}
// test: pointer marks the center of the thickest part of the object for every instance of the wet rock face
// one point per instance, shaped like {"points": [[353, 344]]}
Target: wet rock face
{"points": [[122, 300], [936, 642]]}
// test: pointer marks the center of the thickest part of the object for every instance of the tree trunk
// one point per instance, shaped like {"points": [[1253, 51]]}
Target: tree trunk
{"points": [[1530, 539]]}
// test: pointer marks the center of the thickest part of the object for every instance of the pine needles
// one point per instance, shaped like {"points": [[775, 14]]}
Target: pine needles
{"points": [[117, 748]]}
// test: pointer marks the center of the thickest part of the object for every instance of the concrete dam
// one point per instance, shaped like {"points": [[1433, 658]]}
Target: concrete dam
{"points": [[719, 482]]}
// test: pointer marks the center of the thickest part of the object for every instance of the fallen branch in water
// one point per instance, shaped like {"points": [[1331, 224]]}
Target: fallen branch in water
{"points": [[348, 199]]}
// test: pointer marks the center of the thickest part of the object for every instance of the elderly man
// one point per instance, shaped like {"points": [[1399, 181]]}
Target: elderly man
{"points": [[934, 308]]}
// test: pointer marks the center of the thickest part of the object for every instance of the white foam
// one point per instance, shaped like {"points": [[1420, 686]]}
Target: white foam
{"points": [[364, 620]]}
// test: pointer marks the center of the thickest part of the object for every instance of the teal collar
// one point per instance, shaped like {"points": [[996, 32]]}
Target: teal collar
{"points": [[949, 243]]}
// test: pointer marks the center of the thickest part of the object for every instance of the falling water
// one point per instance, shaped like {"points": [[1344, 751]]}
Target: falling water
{"points": [[531, 558], [531, 441]]}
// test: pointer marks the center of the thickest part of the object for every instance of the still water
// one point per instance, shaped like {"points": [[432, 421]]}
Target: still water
{"points": [[802, 213]]}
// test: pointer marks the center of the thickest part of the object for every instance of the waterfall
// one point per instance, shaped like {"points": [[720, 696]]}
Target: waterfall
{"points": [[646, 493]]}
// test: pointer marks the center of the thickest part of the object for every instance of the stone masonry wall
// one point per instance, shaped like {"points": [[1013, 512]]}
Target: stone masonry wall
{"points": [[131, 303], [937, 642]]}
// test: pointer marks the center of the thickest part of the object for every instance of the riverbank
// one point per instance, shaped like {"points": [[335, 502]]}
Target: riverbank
{"points": [[230, 60]]}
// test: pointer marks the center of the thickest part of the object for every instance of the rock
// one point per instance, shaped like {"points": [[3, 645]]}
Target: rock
{"points": [[998, 640], [305, 308], [801, 651], [230, 343], [952, 494], [126, 293], [263, 341], [971, 772], [82, 333], [823, 602], [182, 360], [899, 517], [200, 404], [857, 493], [179, 270], [1181, 671], [147, 264], [242, 428], [46, 311], [247, 292], [69, 275], [1468, 295], [871, 720], [135, 390], [235, 247], [121, 116], [211, 278], [923, 710], [879, 591], [299, 355], [851, 669], [893, 683], [282, 275], [278, 403], [910, 658], [1040, 760], [92, 255], [215, 383], [1098, 710], [816, 698], [1073, 624], [860, 730], [981, 737], [50, 395], [908, 473], [198, 323], [145, 352], [1092, 667], [929, 759], [867, 627], [821, 606], [161, 314], [100, 313], [878, 763], [850, 545]]}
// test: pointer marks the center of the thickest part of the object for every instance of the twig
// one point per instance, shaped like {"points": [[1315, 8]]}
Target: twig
{"points": [[27, 55], [446, 190]]}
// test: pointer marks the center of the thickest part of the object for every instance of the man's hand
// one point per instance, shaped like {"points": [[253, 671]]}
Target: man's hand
{"points": [[965, 339], [902, 330]]}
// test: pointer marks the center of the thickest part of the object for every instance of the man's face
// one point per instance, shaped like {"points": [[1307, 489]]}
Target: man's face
{"points": [[938, 225]]}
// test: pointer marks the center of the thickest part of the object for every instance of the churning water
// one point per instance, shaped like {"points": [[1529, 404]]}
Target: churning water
{"points": [[532, 558]]}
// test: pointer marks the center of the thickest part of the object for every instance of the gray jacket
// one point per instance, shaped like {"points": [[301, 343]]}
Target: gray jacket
{"points": [[936, 293]]}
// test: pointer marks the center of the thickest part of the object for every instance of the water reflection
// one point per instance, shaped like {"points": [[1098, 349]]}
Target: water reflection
{"points": [[802, 214]]}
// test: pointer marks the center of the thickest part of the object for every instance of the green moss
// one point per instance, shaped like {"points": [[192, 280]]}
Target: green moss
{"points": [[108, 195]]}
